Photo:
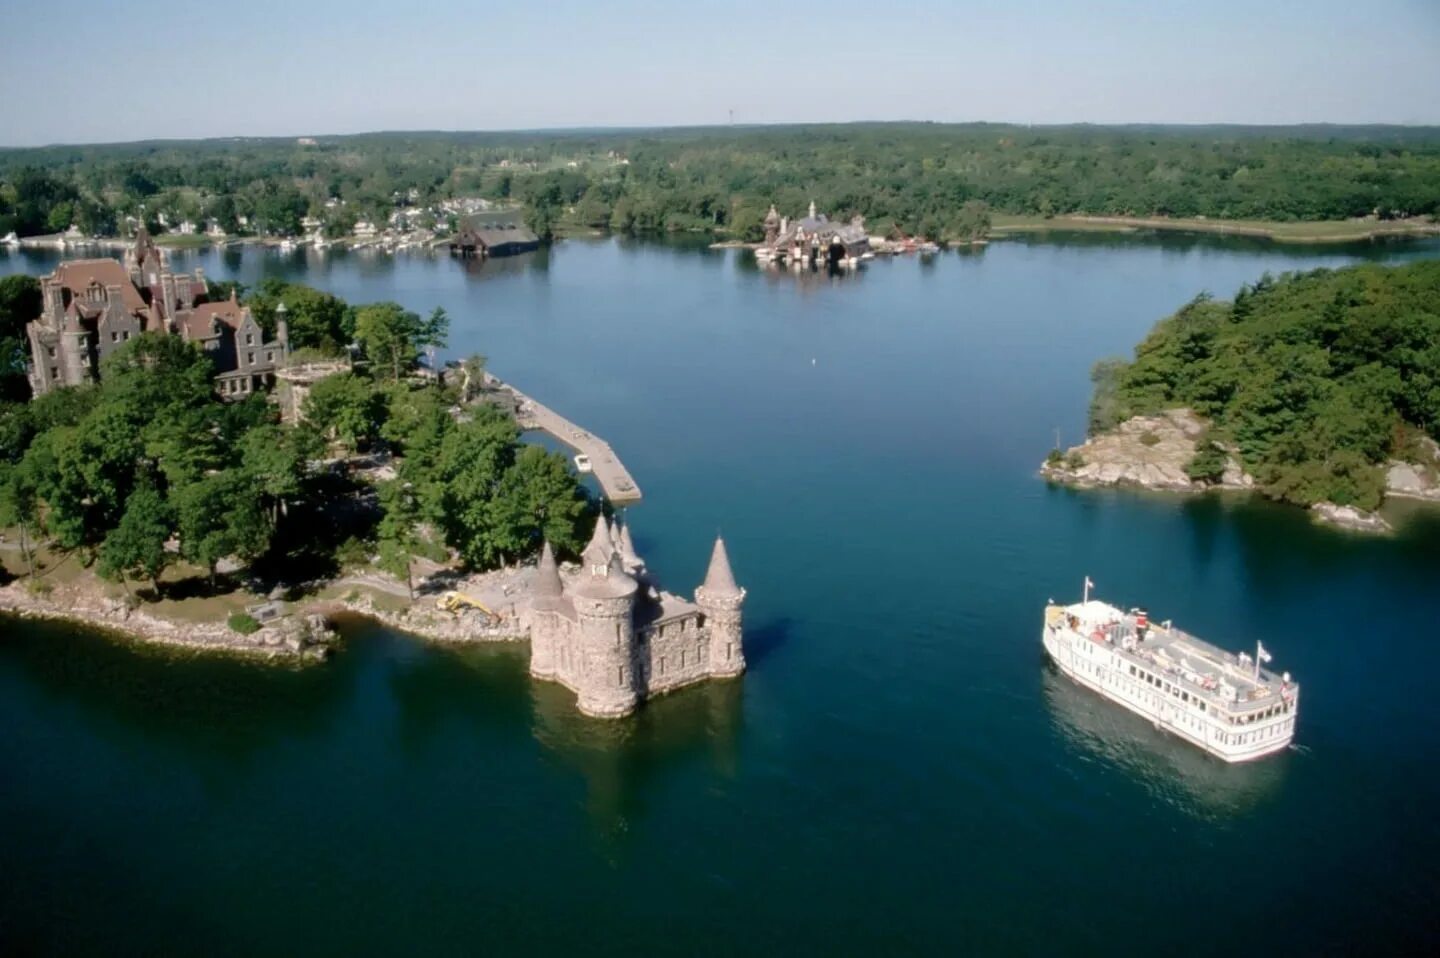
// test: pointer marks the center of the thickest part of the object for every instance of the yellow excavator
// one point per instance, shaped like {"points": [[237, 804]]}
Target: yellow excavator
{"points": [[457, 602]]}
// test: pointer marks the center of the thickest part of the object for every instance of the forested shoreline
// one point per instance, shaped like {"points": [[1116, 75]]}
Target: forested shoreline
{"points": [[1313, 380], [929, 179]]}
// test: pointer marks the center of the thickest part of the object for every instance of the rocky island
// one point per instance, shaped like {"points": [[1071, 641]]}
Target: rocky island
{"points": [[1316, 389]]}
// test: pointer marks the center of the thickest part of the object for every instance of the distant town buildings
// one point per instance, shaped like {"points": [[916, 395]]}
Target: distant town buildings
{"points": [[90, 307]]}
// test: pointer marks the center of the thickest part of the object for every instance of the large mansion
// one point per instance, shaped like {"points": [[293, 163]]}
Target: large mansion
{"points": [[91, 306]]}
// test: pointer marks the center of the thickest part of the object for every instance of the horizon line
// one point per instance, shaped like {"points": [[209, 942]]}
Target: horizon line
{"points": [[618, 129]]}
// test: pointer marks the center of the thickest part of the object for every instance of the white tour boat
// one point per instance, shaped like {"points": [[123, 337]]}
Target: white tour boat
{"points": [[1227, 704]]}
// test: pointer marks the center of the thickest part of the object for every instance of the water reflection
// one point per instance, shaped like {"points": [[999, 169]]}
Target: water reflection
{"points": [[622, 760], [1171, 771]]}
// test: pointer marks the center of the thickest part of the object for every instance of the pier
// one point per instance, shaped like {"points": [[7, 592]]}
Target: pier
{"points": [[615, 480]]}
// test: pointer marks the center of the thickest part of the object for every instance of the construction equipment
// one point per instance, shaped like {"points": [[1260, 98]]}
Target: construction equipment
{"points": [[457, 602]]}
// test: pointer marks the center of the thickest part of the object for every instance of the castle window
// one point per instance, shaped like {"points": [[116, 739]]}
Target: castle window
{"points": [[250, 358], [51, 351], [54, 371], [662, 665], [269, 355], [729, 651], [127, 335], [682, 658], [250, 339], [620, 677], [114, 336]]}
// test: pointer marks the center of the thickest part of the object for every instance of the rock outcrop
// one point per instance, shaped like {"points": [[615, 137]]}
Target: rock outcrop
{"points": [[1349, 517], [1419, 479], [1149, 452]]}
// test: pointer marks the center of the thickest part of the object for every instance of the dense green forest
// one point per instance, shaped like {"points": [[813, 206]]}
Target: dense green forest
{"points": [[112, 472], [916, 176], [1315, 379]]}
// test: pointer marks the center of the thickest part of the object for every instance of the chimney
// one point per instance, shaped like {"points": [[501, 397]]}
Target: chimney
{"points": [[167, 295], [54, 295]]}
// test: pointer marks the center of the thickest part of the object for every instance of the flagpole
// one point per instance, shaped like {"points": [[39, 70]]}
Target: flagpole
{"points": [[1259, 647]]}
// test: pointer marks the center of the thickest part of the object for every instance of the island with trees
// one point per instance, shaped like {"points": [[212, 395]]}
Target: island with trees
{"points": [[145, 503], [950, 182], [1319, 388]]}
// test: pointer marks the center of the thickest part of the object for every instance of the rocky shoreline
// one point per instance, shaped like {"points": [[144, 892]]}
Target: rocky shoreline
{"points": [[1153, 452], [299, 636]]}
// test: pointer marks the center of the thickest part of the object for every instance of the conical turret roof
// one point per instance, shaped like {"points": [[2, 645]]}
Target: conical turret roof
{"points": [[627, 546], [547, 576], [719, 580], [601, 546]]}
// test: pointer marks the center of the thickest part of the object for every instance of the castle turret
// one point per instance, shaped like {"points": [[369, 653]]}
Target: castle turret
{"points": [[547, 597], [772, 225], [604, 598], [720, 599], [626, 547], [282, 336]]}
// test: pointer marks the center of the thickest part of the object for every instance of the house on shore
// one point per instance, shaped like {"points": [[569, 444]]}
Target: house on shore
{"points": [[91, 307]]}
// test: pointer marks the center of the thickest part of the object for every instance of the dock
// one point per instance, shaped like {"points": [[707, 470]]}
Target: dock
{"points": [[615, 480]]}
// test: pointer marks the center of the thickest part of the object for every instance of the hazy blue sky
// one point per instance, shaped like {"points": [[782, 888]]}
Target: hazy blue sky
{"points": [[77, 71]]}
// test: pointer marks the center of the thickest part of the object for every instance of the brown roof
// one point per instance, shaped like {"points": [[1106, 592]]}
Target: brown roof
{"points": [[78, 274], [227, 311]]}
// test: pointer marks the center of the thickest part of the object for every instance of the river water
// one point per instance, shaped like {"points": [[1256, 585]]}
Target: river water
{"points": [[898, 772]]}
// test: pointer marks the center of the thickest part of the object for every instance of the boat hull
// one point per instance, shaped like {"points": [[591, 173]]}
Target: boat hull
{"points": [[1112, 685]]}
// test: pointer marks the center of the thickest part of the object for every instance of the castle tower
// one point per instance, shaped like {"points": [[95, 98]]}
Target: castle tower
{"points": [[629, 558], [282, 336], [604, 600], [720, 599], [772, 226], [548, 594]]}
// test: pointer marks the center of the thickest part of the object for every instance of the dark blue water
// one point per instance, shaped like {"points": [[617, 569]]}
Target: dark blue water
{"points": [[898, 772]]}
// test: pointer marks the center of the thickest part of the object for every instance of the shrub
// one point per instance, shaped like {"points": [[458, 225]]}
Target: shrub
{"points": [[244, 623], [1074, 460], [1054, 458]]}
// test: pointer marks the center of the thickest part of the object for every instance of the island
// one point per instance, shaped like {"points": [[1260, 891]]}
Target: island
{"points": [[207, 466], [1320, 389]]}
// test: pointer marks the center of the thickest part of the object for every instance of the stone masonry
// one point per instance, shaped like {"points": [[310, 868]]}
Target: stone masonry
{"points": [[612, 636]]}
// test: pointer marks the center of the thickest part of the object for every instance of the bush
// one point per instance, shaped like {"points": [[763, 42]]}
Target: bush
{"points": [[244, 623], [1054, 458], [1073, 460], [1149, 438], [1208, 463]]}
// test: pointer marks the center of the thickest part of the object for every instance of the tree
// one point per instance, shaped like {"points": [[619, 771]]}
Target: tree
{"points": [[219, 516], [136, 546], [20, 507], [19, 304], [396, 534], [347, 408], [274, 459]]}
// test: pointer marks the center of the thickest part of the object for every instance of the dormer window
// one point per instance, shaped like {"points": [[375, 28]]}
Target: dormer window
{"points": [[249, 339]]}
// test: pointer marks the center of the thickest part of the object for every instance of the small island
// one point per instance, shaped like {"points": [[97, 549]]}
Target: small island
{"points": [[210, 467], [1320, 389]]}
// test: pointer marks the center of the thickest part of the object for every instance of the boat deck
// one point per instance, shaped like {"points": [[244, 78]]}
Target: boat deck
{"points": [[1195, 665]]}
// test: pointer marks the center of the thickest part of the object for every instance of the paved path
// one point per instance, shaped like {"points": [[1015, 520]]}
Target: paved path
{"points": [[616, 482]]}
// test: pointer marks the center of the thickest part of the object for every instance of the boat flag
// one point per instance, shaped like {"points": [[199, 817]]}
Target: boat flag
{"points": [[1088, 586], [1260, 652]]}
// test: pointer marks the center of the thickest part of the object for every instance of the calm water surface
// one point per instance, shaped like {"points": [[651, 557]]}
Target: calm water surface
{"points": [[897, 773]]}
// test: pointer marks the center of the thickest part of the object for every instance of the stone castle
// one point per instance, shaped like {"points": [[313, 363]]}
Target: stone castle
{"points": [[91, 307], [613, 637]]}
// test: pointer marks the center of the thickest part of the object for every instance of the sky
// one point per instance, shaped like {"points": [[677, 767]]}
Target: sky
{"points": [[85, 71]]}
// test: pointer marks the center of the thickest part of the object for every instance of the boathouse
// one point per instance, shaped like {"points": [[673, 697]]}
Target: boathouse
{"points": [[493, 239]]}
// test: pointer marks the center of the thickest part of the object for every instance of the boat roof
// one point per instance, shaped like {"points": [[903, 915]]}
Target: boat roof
{"points": [[1191, 662]]}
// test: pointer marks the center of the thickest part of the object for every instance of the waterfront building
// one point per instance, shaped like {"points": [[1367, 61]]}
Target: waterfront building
{"points": [[90, 307], [493, 239], [814, 240], [611, 635]]}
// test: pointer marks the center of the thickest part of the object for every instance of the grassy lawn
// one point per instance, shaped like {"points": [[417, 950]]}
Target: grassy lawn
{"points": [[1324, 231], [178, 241]]}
